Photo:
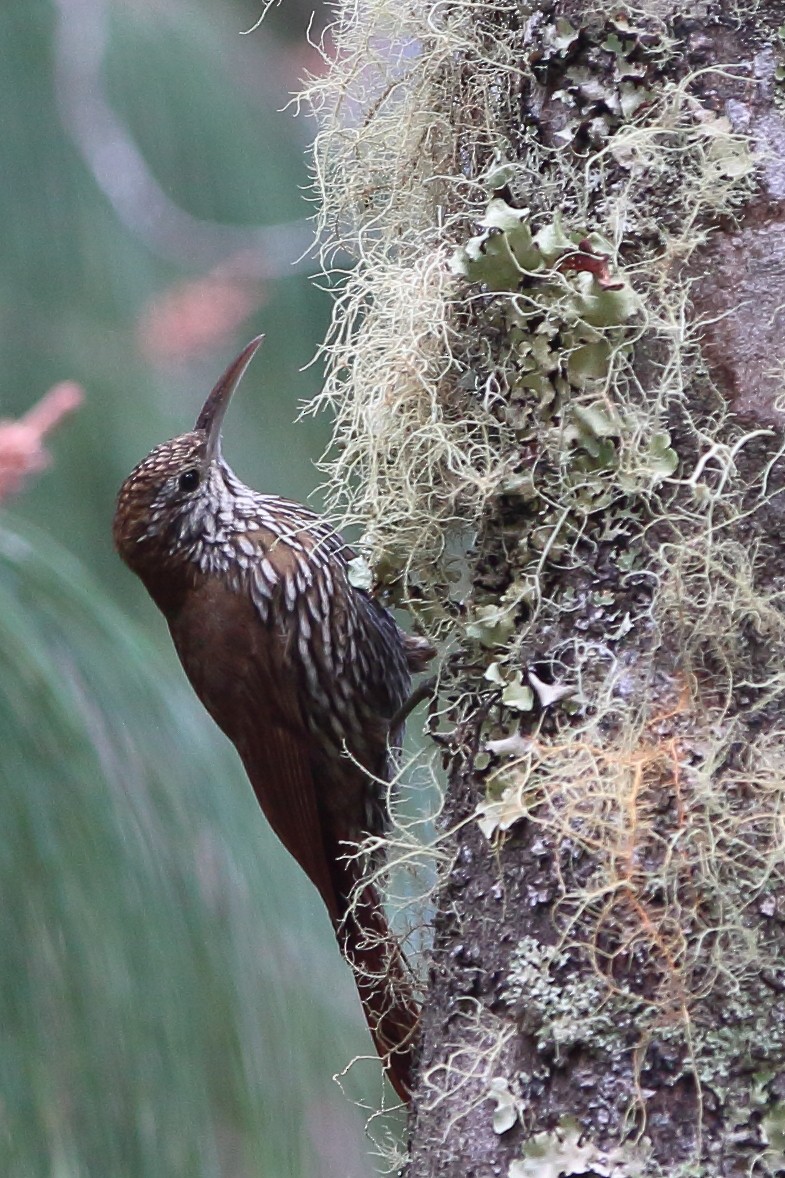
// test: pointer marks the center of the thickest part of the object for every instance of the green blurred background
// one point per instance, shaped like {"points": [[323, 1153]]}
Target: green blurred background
{"points": [[171, 998]]}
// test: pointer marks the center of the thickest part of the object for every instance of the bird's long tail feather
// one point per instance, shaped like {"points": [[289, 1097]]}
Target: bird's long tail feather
{"points": [[382, 977]]}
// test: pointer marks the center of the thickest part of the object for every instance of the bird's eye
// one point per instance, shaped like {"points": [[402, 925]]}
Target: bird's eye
{"points": [[189, 480]]}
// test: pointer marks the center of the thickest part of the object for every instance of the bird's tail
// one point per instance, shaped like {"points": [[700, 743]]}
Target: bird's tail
{"points": [[383, 980]]}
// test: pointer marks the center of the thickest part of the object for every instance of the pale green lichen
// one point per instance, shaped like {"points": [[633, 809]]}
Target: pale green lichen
{"points": [[566, 1151], [563, 1008], [772, 1160], [506, 1111]]}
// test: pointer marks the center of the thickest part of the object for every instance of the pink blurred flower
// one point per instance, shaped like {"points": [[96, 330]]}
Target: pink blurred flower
{"points": [[195, 318], [22, 450]]}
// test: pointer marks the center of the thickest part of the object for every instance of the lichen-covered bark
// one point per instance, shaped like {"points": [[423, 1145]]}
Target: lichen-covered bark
{"points": [[607, 994]]}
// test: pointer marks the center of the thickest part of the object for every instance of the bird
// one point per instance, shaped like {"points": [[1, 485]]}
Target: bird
{"points": [[306, 673]]}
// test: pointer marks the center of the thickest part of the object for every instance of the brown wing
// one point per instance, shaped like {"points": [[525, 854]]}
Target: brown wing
{"points": [[278, 767], [234, 663]]}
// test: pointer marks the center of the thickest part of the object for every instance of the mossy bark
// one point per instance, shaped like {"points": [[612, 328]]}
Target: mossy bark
{"points": [[606, 992]]}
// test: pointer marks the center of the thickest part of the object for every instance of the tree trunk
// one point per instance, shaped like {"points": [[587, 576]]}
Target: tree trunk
{"points": [[558, 384]]}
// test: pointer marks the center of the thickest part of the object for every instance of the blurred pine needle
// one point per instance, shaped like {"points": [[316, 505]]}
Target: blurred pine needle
{"points": [[146, 1005]]}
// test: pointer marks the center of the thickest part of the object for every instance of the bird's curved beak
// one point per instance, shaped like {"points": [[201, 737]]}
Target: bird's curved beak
{"points": [[214, 409]]}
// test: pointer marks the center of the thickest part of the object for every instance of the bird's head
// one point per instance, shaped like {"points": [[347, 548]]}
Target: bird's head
{"points": [[173, 495]]}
